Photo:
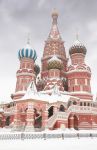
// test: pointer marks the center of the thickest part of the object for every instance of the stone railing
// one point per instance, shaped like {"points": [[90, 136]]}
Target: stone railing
{"points": [[30, 136], [55, 117], [52, 119], [61, 115], [82, 109]]}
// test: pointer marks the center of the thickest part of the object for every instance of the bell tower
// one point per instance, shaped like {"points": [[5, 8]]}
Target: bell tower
{"points": [[54, 46]]}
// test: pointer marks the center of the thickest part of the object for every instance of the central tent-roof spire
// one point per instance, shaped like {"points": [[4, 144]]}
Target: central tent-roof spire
{"points": [[54, 33]]}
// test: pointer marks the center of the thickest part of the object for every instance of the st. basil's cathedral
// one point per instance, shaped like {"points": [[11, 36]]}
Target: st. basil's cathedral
{"points": [[56, 96]]}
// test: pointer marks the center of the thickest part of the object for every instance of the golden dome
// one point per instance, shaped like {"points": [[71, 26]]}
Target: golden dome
{"points": [[55, 63]]}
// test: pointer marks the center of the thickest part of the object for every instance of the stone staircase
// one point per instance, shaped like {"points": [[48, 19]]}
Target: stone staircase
{"points": [[57, 116], [64, 115]]}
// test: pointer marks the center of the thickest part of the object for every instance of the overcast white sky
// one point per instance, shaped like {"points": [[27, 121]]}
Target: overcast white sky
{"points": [[17, 18]]}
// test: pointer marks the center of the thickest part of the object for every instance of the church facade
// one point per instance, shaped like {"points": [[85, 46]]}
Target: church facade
{"points": [[56, 96]]}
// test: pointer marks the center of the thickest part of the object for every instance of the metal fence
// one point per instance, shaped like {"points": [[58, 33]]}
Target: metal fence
{"points": [[44, 136]]}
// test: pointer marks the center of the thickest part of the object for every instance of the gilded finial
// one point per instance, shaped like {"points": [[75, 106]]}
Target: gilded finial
{"points": [[54, 12], [28, 38], [77, 34], [55, 16]]}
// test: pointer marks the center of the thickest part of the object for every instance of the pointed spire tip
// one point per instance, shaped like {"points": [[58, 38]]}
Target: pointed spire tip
{"points": [[28, 38], [77, 36]]}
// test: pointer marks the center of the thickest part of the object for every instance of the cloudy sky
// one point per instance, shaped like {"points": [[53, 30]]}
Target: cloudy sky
{"points": [[20, 17]]}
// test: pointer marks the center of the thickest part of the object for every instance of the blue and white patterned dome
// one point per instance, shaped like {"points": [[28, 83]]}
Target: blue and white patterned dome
{"points": [[27, 52]]}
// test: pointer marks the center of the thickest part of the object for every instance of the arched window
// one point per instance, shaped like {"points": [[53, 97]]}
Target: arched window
{"points": [[88, 104], [74, 102], [62, 108], [84, 103], [50, 111], [65, 84], [8, 106], [7, 123], [81, 104]]}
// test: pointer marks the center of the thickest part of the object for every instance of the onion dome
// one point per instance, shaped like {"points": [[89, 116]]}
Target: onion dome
{"points": [[36, 69], [27, 52], [77, 47], [55, 63]]}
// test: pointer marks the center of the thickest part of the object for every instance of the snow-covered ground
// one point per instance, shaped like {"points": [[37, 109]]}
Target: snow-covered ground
{"points": [[50, 144], [9, 130], [66, 144]]}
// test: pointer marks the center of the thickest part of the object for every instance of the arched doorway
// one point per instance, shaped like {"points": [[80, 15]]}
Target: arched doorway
{"points": [[70, 121], [1, 122], [62, 108], [75, 122], [37, 118], [50, 111], [7, 122]]}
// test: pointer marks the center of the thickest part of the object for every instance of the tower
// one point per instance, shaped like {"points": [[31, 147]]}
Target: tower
{"points": [[26, 73], [53, 55], [79, 74]]}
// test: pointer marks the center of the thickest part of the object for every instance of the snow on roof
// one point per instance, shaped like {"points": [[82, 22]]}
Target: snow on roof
{"points": [[6, 102], [9, 101], [51, 90], [46, 97], [80, 92], [54, 58], [19, 92], [77, 43], [1, 110], [50, 96]]}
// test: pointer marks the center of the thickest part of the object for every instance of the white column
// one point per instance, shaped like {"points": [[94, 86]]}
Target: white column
{"points": [[86, 83], [45, 118], [75, 81], [30, 117]]}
